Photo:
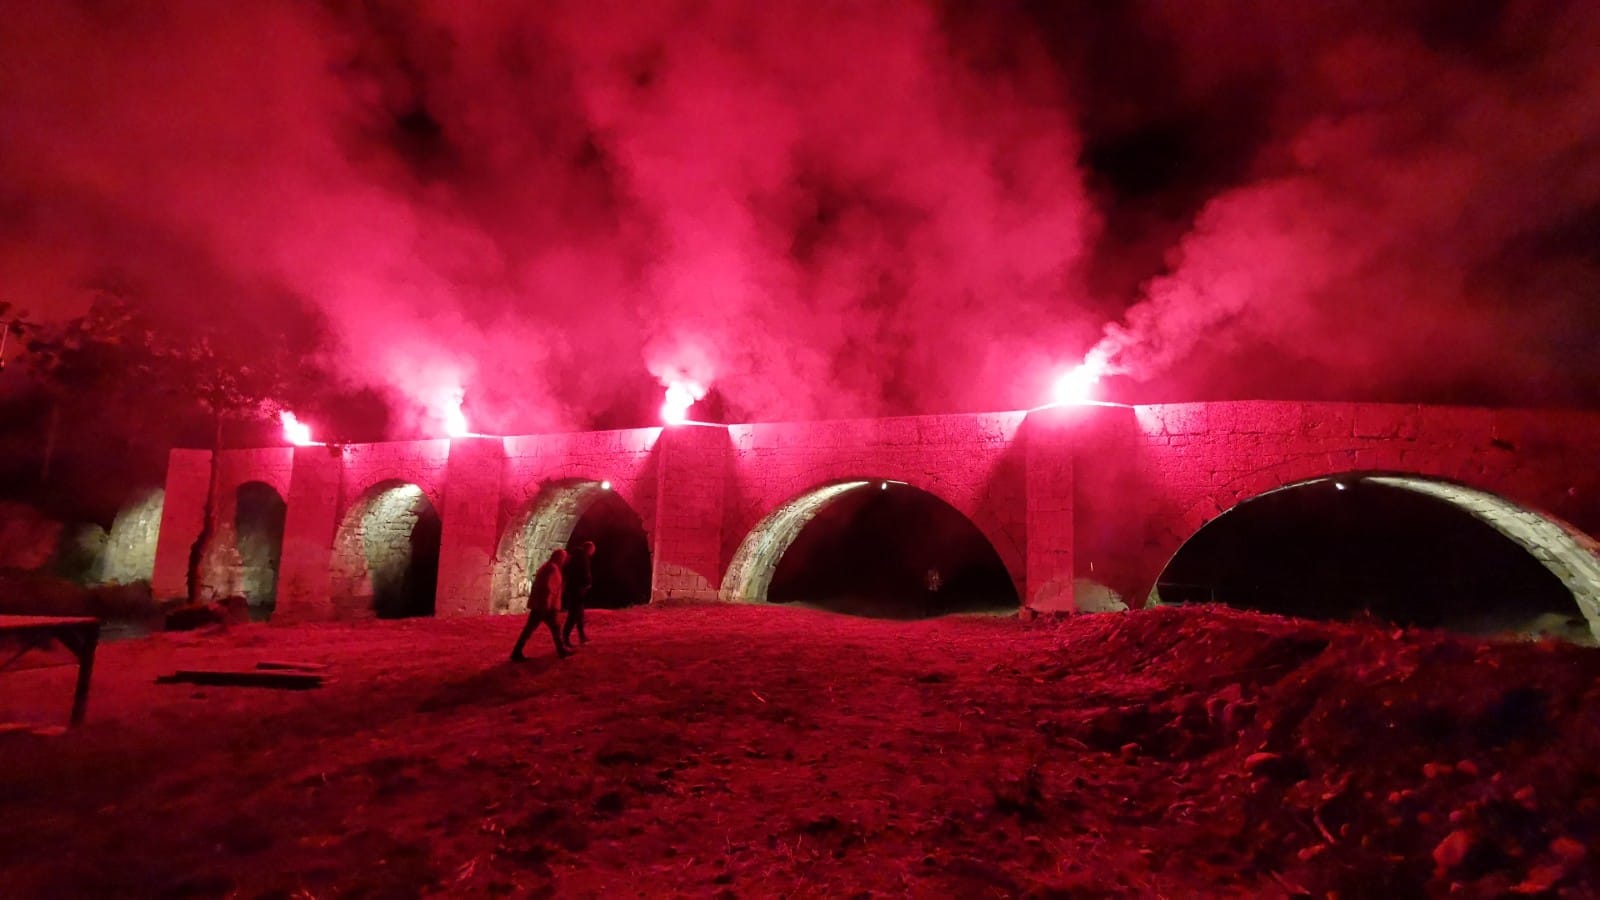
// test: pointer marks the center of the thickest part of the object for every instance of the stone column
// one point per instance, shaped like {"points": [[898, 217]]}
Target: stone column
{"points": [[1110, 512], [182, 515], [1050, 535], [686, 558], [305, 569], [470, 521]]}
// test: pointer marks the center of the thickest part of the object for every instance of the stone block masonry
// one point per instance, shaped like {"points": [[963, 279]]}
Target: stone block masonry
{"points": [[1084, 505]]}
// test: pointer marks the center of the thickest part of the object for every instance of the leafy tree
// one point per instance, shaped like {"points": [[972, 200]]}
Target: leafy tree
{"points": [[84, 356], [116, 353]]}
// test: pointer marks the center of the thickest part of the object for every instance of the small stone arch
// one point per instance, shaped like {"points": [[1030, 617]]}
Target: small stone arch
{"points": [[386, 554], [1570, 555], [544, 524], [258, 521], [750, 572]]}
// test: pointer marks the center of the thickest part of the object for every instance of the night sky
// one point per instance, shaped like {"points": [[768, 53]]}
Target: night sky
{"points": [[825, 209]]}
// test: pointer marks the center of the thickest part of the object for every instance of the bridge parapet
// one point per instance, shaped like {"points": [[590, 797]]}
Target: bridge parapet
{"points": [[1082, 504]]}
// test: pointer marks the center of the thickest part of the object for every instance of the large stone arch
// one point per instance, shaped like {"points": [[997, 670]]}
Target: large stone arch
{"points": [[1570, 555], [544, 523], [1566, 552], [972, 463], [375, 557], [749, 573]]}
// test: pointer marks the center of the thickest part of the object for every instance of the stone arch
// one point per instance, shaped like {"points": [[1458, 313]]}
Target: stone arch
{"points": [[130, 554], [386, 554], [544, 524], [1570, 555], [750, 573], [259, 512], [431, 493], [1564, 551]]}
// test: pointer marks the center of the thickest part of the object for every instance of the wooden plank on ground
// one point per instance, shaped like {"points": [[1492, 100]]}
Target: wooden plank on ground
{"points": [[294, 681], [271, 664]]}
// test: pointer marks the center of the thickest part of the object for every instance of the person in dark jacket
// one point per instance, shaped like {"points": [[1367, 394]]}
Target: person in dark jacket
{"points": [[544, 604], [577, 578]]}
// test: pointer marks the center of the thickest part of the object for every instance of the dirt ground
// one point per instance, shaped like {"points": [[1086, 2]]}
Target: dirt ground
{"points": [[762, 751]]}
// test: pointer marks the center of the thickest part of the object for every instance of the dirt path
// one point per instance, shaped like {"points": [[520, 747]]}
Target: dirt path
{"points": [[760, 751]]}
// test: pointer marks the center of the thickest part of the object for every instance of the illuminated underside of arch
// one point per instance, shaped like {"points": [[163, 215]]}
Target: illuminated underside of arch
{"points": [[131, 546], [528, 543], [750, 573], [374, 554], [1569, 554]]}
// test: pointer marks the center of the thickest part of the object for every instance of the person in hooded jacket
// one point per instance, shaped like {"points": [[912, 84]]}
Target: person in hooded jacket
{"points": [[544, 605]]}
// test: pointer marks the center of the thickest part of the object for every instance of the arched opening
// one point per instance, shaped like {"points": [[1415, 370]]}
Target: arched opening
{"points": [[1407, 550], [130, 554], [563, 514], [386, 555], [872, 548], [622, 552], [259, 513]]}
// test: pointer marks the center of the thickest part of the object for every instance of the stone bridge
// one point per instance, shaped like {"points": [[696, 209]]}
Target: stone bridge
{"points": [[1084, 504]]}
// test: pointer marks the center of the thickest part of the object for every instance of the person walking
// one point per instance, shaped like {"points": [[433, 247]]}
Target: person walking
{"points": [[544, 605], [576, 579]]}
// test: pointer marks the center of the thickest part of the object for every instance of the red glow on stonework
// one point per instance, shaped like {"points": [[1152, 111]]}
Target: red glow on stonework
{"points": [[680, 396], [295, 431]]}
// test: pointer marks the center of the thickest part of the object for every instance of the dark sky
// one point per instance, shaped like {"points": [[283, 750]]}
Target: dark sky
{"points": [[826, 208]]}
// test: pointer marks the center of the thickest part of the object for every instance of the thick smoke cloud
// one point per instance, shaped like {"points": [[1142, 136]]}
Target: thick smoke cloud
{"points": [[1420, 224], [824, 209], [815, 209]]}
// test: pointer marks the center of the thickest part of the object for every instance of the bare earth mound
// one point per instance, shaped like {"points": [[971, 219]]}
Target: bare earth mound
{"points": [[757, 751]]}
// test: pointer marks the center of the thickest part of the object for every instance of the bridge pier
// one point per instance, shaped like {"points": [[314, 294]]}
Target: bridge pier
{"points": [[305, 569], [1050, 524], [470, 520], [182, 516], [686, 559], [1085, 490]]}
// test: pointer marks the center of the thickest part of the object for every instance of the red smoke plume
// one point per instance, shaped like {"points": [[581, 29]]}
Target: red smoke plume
{"points": [[1423, 219], [815, 209], [824, 209]]}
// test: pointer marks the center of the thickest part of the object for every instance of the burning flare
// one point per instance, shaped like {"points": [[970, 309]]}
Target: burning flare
{"points": [[455, 421], [295, 431], [1077, 385], [680, 396]]}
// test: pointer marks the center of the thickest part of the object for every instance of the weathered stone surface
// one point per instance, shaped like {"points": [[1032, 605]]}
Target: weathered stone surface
{"points": [[1095, 495], [130, 551]]}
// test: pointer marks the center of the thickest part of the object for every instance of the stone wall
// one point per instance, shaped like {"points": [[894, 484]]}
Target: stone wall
{"points": [[1084, 505]]}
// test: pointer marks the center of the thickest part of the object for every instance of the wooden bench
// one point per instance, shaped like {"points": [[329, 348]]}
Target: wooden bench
{"points": [[79, 635]]}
